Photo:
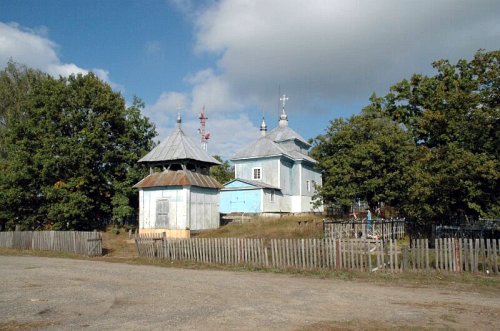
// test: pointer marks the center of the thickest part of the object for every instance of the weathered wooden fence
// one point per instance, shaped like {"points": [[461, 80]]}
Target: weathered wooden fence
{"points": [[352, 254], [346, 254], [231, 251], [79, 242], [456, 255], [376, 229]]}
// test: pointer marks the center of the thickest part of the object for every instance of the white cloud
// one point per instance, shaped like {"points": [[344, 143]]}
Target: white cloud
{"points": [[337, 50], [222, 124], [213, 92], [33, 48], [321, 52]]}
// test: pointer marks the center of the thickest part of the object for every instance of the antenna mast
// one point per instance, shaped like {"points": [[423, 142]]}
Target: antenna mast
{"points": [[205, 136]]}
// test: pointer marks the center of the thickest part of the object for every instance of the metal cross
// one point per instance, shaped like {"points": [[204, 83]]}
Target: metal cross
{"points": [[283, 99]]}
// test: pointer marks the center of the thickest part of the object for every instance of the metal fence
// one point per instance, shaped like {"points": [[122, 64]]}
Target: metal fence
{"points": [[378, 229], [79, 242]]}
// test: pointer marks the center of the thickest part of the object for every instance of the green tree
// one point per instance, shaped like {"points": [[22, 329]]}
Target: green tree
{"points": [[454, 118], [223, 172], [363, 157], [70, 159]]}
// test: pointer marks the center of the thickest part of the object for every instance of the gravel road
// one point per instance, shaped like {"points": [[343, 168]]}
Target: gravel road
{"points": [[50, 293]]}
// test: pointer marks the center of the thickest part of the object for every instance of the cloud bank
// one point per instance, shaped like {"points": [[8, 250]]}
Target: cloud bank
{"points": [[33, 48], [322, 53]]}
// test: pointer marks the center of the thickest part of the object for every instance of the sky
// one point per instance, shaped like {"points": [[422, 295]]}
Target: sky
{"points": [[237, 57]]}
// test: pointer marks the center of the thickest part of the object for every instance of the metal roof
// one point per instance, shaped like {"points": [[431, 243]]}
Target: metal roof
{"points": [[262, 147], [286, 133], [251, 182], [178, 146], [265, 147], [178, 178]]}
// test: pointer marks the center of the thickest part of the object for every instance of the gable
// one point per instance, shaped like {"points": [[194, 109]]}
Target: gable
{"points": [[247, 184], [239, 184]]}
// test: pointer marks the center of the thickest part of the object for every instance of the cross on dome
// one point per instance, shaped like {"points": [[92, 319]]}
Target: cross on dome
{"points": [[283, 99], [283, 122]]}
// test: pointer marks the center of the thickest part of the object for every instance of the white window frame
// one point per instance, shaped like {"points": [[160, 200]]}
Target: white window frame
{"points": [[259, 171]]}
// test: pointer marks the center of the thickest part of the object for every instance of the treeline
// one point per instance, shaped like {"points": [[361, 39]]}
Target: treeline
{"points": [[428, 148], [68, 151], [69, 148]]}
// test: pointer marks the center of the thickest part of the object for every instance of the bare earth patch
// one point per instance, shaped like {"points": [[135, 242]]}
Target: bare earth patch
{"points": [[60, 294]]}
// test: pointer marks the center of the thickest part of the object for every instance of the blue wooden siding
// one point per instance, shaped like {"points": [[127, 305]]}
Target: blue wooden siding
{"points": [[269, 169], [243, 201]]}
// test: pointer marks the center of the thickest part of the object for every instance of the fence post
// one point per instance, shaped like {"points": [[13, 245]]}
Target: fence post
{"points": [[405, 261]]}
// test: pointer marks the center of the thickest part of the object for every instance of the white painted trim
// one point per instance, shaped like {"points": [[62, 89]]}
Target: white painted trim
{"points": [[260, 173], [279, 173], [300, 179], [262, 200], [188, 207]]}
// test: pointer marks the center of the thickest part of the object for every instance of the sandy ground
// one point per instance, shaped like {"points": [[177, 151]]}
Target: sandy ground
{"points": [[50, 293]]}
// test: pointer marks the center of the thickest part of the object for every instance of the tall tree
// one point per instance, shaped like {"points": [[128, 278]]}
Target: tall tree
{"points": [[363, 157], [454, 117], [451, 169], [70, 161]]}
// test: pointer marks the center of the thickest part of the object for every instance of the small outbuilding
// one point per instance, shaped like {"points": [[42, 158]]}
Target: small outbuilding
{"points": [[178, 195]]}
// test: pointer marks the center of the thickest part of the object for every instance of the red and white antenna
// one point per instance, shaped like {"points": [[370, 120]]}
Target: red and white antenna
{"points": [[205, 136]]}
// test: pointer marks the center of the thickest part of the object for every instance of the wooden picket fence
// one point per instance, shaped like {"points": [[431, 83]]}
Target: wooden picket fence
{"points": [[232, 251], [335, 254], [378, 229], [79, 242], [456, 255]]}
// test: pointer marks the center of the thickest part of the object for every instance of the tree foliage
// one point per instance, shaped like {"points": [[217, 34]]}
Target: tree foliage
{"points": [[454, 117], [451, 168], [70, 152], [223, 172], [363, 157]]}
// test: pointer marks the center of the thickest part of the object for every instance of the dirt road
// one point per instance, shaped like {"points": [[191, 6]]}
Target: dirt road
{"points": [[50, 293]]}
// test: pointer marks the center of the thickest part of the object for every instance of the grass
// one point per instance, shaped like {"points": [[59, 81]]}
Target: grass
{"points": [[269, 228]]}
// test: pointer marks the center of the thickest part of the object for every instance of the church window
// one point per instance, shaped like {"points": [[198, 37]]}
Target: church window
{"points": [[162, 208], [257, 173]]}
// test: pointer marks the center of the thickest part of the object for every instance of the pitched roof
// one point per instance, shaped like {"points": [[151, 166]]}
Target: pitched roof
{"points": [[178, 146], [252, 183], [265, 147], [262, 147], [178, 178], [286, 133]]}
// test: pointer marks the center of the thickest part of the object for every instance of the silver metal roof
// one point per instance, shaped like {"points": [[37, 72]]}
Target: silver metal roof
{"points": [[262, 147], [265, 147], [286, 133], [255, 183], [178, 146], [270, 145]]}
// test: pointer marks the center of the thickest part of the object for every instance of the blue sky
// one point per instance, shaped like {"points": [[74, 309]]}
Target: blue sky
{"points": [[234, 57]]}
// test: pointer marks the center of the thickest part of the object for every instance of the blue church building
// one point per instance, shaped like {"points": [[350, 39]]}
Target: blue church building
{"points": [[275, 174]]}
